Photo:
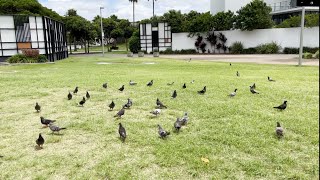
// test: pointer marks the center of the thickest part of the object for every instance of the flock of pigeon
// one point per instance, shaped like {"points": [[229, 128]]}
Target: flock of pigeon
{"points": [[159, 105]]}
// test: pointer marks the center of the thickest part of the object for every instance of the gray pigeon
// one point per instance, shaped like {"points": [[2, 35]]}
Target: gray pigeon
{"points": [[40, 141], [105, 85], [69, 96], [37, 107], [177, 125], [55, 128], [46, 122], [253, 91], [160, 105], [120, 113], [162, 132], [112, 105], [122, 132], [132, 83], [129, 104], [279, 130], [174, 94], [233, 93], [185, 119], [270, 79], [238, 74], [156, 112], [283, 106]]}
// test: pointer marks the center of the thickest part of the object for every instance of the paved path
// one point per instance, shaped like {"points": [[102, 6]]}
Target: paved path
{"points": [[287, 59]]}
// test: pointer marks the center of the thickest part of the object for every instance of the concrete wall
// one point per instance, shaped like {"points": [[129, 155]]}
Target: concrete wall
{"points": [[285, 37]]}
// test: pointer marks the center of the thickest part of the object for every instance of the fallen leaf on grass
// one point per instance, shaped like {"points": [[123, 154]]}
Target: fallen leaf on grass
{"points": [[205, 160]]}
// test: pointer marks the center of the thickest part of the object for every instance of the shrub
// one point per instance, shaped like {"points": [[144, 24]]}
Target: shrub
{"points": [[134, 44], [42, 58], [32, 53], [183, 51], [316, 55], [311, 20], [268, 48], [307, 55], [236, 48], [289, 50], [250, 51], [21, 58]]}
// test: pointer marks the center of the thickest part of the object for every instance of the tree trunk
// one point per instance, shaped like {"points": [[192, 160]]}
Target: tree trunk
{"points": [[74, 43], [126, 44]]}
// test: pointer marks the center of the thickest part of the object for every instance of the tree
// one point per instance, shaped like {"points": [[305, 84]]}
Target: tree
{"points": [[134, 43], [72, 12], [127, 30], [175, 19], [223, 21], [255, 15], [133, 1], [202, 23]]}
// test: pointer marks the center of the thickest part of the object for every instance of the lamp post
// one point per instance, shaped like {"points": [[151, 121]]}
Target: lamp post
{"points": [[153, 5], [301, 35], [102, 33]]}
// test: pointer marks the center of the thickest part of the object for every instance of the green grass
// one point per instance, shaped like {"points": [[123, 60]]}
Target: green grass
{"points": [[235, 134]]}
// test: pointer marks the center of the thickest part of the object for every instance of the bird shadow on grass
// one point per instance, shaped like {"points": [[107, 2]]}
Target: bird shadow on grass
{"points": [[56, 134], [38, 148], [153, 117]]}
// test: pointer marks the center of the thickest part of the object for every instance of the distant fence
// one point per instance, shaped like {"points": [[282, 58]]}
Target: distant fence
{"points": [[285, 37]]}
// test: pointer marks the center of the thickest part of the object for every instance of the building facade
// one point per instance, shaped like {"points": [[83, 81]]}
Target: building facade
{"points": [[281, 9], [19, 32]]}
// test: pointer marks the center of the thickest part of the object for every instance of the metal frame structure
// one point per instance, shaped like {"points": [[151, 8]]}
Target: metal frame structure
{"points": [[19, 32], [158, 37]]}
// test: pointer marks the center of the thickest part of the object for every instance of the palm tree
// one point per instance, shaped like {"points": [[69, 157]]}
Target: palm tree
{"points": [[133, 1]]}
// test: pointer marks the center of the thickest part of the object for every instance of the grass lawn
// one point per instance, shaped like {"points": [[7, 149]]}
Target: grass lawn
{"points": [[236, 135]]}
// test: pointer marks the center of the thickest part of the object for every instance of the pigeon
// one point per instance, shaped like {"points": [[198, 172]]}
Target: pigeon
{"points": [[177, 125], [120, 113], [162, 132], [253, 91], [174, 94], [230, 64], [122, 88], [282, 106], [122, 132], [75, 90], [46, 121], [40, 140], [81, 103], [192, 82], [150, 83], [88, 95], [129, 104], [254, 86], [279, 130], [69, 96], [184, 86], [233, 93], [160, 105], [203, 90], [105, 85], [112, 105], [238, 74], [184, 119], [55, 128], [170, 84], [156, 112], [131, 83], [270, 79], [37, 107]]}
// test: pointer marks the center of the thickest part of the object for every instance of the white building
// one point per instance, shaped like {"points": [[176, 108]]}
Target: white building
{"points": [[281, 9]]}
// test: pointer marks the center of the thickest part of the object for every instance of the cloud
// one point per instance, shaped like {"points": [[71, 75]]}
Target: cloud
{"points": [[123, 8]]}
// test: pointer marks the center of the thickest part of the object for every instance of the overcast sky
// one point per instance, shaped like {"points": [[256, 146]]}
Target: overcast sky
{"points": [[123, 8]]}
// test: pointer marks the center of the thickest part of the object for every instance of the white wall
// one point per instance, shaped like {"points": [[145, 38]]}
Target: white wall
{"points": [[285, 37]]}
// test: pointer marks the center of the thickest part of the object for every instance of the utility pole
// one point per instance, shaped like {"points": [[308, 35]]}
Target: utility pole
{"points": [[301, 35], [153, 6], [102, 33]]}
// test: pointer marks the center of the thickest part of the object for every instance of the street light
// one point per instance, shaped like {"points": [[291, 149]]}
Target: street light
{"points": [[102, 33], [153, 5]]}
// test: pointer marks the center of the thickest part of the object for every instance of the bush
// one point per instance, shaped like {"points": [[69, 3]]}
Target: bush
{"points": [[183, 51], [289, 50], [311, 20], [269, 48], [134, 44], [250, 51], [316, 55], [307, 55], [236, 48], [32, 53], [42, 58]]}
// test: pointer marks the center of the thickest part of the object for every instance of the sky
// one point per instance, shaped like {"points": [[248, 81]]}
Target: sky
{"points": [[123, 8]]}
